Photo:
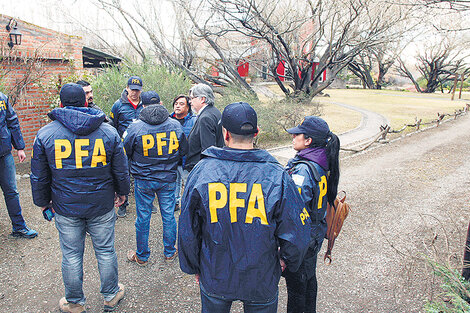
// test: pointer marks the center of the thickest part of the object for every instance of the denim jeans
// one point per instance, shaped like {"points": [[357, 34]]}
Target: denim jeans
{"points": [[144, 195], [72, 233], [10, 192], [179, 183], [212, 303]]}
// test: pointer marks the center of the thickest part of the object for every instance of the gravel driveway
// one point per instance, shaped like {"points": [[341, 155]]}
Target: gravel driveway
{"points": [[405, 196]]}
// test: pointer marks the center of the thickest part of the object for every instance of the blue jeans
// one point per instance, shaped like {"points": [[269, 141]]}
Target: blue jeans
{"points": [[10, 192], [144, 195], [72, 233], [179, 183], [212, 303]]}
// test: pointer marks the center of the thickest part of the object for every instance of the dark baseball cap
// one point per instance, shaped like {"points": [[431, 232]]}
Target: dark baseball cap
{"points": [[240, 118], [150, 97], [312, 126], [135, 82], [72, 95]]}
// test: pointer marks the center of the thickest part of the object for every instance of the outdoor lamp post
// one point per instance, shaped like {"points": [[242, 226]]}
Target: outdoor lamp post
{"points": [[15, 35]]}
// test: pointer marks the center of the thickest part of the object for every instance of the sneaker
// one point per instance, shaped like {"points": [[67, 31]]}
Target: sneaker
{"points": [[169, 259], [110, 306], [24, 233], [122, 211], [132, 257], [177, 207], [68, 307]]}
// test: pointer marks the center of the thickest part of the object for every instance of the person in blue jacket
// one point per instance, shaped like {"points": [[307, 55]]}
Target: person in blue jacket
{"points": [[123, 112], [154, 145], [242, 220], [10, 133], [317, 146], [182, 113], [79, 168]]}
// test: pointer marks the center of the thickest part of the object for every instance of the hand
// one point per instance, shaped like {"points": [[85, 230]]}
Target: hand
{"points": [[283, 264], [197, 278], [21, 155], [119, 200]]}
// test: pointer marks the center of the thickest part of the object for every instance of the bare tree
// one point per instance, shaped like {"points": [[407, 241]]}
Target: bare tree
{"points": [[437, 64]]}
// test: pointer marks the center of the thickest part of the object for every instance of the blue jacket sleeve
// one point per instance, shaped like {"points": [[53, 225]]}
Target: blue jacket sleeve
{"points": [[293, 225], [41, 175], [305, 184], [114, 115], [14, 126], [189, 229], [120, 168]]}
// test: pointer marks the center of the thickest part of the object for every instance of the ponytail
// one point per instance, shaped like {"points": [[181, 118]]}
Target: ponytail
{"points": [[332, 151]]}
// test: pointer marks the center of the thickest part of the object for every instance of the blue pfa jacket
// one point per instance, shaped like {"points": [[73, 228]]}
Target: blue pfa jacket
{"points": [[10, 132], [78, 163], [239, 207], [313, 192], [123, 113], [154, 145]]}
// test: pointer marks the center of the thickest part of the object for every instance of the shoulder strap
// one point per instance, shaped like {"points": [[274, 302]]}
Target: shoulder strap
{"points": [[312, 168]]}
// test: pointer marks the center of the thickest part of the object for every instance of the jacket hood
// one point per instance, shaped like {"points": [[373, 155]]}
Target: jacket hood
{"points": [[154, 114], [239, 155], [79, 120], [124, 96], [315, 154]]}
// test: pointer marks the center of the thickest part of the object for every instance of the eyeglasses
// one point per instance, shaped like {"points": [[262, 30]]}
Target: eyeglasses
{"points": [[193, 97]]}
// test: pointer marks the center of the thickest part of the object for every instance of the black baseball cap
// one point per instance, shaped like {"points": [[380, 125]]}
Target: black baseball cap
{"points": [[240, 118], [150, 97], [72, 95], [312, 126], [135, 82]]}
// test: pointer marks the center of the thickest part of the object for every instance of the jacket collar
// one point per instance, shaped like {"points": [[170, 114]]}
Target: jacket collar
{"points": [[239, 155]]}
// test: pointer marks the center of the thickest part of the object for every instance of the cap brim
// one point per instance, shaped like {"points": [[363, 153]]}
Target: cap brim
{"points": [[295, 130], [135, 87]]}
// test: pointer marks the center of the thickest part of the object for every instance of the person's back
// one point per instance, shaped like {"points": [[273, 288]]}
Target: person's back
{"points": [[82, 153], [241, 218]]}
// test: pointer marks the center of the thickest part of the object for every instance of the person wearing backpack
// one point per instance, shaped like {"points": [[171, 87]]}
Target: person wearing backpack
{"points": [[315, 171]]}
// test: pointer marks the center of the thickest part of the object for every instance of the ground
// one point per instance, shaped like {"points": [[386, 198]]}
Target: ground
{"points": [[409, 200]]}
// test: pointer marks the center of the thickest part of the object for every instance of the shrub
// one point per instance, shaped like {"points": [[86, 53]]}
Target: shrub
{"points": [[168, 82]]}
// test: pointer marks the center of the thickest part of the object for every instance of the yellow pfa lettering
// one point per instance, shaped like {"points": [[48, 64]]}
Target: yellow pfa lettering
{"points": [[216, 202], [63, 149], [235, 202], [304, 215], [147, 143], [256, 197], [322, 185], [174, 144], [160, 142], [135, 82], [79, 153], [3, 105], [99, 153]]}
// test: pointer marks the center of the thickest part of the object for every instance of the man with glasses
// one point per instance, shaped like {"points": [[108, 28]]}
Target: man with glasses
{"points": [[207, 130]]}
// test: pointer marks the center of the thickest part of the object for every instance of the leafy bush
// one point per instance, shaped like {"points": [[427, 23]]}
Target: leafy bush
{"points": [[456, 291], [168, 82]]}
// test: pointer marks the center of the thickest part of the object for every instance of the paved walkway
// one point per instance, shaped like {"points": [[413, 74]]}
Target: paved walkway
{"points": [[367, 130]]}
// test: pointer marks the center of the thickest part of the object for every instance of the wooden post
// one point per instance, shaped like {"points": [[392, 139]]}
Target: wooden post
{"points": [[418, 123], [461, 86], [466, 257], [455, 87]]}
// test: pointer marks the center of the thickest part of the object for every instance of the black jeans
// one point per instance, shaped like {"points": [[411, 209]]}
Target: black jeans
{"points": [[302, 285]]}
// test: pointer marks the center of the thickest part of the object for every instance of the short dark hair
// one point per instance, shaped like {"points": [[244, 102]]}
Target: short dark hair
{"points": [[83, 83], [242, 138], [187, 101]]}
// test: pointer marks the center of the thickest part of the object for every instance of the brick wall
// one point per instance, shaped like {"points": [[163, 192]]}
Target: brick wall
{"points": [[43, 57]]}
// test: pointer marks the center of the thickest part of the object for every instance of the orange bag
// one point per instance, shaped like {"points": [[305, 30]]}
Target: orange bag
{"points": [[335, 216]]}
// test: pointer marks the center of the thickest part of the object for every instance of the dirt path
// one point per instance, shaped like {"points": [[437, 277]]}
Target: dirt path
{"points": [[404, 193]]}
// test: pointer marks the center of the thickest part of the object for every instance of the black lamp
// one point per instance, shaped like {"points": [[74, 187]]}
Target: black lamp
{"points": [[15, 35]]}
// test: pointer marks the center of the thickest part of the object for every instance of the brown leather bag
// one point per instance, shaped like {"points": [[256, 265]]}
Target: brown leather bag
{"points": [[335, 216]]}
